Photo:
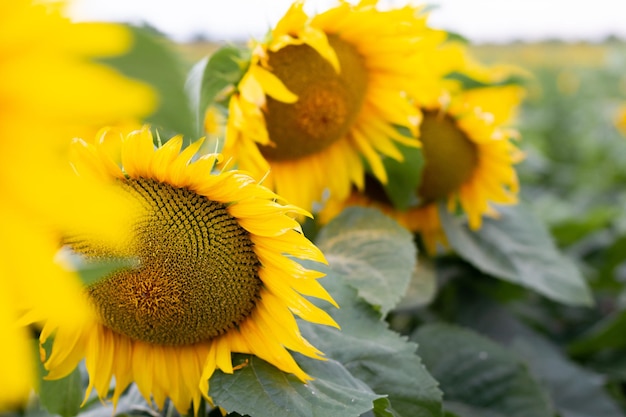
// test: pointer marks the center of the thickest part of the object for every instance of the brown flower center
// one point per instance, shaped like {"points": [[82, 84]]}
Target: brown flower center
{"points": [[197, 275], [450, 157], [328, 102]]}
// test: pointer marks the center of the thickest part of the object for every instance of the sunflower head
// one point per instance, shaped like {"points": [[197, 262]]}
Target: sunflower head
{"points": [[214, 274], [468, 163], [328, 91]]}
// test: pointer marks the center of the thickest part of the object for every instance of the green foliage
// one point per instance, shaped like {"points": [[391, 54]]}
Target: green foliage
{"points": [[153, 60], [456, 37], [213, 76], [366, 359], [94, 271], [404, 177], [373, 251], [469, 83], [606, 333], [574, 390], [360, 243], [479, 375], [261, 390], [381, 358], [517, 247], [62, 396]]}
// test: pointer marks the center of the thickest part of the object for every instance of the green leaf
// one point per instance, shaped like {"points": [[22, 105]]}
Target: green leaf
{"points": [[469, 83], [422, 288], [575, 391], [464, 410], [62, 396], [517, 247], [478, 373], [261, 390], [574, 229], [404, 177], [94, 271], [613, 257], [607, 333], [375, 253], [153, 60], [90, 270], [381, 358], [382, 408], [456, 37], [212, 76]]}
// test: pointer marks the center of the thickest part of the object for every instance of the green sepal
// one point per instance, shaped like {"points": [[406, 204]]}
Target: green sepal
{"points": [[404, 177], [209, 79]]}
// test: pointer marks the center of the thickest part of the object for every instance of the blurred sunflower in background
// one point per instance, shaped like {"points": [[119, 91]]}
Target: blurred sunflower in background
{"points": [[620, 120], [468, 155], [51, 90], [468, 159], [213, 276], [323, 96]]}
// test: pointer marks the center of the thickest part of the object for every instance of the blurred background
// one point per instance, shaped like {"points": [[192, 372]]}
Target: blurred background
{"points": [[479, 20]]}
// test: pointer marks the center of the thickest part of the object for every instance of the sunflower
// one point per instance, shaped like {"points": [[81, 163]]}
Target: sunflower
{"points": [[51, 89], [214, 275], [469, 133], [324, 93], [620, 120], [468, 162]]}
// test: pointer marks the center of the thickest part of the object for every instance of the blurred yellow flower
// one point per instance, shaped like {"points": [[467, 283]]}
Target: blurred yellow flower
{"points": [[620, 120], [214, 276], [467, 150], [468, 159], [50, 91]]}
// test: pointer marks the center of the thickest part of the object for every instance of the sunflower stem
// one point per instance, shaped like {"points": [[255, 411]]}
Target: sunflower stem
{"points": [[169, 411]]}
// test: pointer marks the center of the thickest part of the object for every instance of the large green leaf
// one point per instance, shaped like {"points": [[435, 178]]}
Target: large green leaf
{"points": [[518, 248], [153, 60], [212, 76], [574, 391], [261, 390], [375, 253], [422, 288], [381, 358], [477, 372]]}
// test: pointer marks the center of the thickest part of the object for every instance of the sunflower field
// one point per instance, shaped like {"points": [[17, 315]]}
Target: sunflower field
{"points": [[357, 215]]}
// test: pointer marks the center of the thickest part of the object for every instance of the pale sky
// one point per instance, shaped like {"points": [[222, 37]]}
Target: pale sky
{"points": [[478, 20]]}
